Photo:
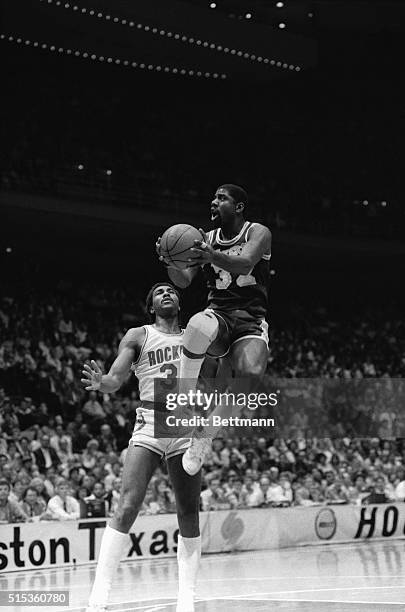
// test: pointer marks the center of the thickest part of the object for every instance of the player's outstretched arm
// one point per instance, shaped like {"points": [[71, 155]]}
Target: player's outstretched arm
{"points": [[128, 352], [181, 278], [258, 243]]}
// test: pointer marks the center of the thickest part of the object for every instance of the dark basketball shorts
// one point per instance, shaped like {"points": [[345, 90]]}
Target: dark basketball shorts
{"points": [[236, 325]]}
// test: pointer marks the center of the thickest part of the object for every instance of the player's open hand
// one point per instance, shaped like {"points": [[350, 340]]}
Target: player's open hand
{"points": [[92, 376], [202, 251], [162, 260]]}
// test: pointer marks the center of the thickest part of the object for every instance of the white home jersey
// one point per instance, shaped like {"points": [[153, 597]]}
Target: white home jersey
{"points": [[159, 358]]}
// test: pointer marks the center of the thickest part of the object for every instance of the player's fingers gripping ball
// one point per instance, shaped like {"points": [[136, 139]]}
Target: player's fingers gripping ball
{"points": [[176, 244]]}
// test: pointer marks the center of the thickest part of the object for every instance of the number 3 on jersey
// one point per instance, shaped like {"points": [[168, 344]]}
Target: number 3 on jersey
{"points": [[171, 374], [224, 279]]}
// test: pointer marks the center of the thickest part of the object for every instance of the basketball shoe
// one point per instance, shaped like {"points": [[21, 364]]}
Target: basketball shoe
{"points": [[193, 458]]}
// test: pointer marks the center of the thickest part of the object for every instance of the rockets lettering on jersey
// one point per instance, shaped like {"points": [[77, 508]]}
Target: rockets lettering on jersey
{"points": [[166, 353], [159, 358], [237, 291]]}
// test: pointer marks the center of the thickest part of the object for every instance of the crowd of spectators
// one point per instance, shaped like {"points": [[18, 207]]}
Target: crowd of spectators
{"points": [[62, 449]]}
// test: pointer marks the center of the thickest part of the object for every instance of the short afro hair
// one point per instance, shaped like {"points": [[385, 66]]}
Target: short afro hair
{"points": [[236, 192], [149, 297]]}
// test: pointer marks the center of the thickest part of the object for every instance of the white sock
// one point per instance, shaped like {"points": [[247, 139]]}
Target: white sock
{"points": [[189, 372], [188, 559], [111, 551]]}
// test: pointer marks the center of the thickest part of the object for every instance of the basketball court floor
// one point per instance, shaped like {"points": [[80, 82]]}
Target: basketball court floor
{"points": [[365, 576]]}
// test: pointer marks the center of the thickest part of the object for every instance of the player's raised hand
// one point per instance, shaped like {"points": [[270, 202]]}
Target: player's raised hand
{"points": [[92, 376], [202, 251], [164, 261]]}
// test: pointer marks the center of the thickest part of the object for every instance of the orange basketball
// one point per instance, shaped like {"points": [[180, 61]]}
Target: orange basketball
{"points": [[176, 243]]}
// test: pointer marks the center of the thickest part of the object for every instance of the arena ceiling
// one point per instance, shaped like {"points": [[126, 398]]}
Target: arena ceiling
{"points": [[176, 36]]}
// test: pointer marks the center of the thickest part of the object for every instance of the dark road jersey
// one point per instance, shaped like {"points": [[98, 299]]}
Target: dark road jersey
{"points": [[237, 291]]}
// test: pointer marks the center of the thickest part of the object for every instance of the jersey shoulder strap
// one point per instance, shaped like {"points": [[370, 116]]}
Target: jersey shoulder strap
{"points": [[210, 236], [141, 352]]}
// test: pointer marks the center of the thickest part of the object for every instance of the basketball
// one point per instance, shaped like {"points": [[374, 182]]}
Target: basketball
{"points": [[176, 243]]}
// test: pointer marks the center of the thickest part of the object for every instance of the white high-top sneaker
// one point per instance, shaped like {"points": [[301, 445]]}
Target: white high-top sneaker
{"points": [[193, 458]]}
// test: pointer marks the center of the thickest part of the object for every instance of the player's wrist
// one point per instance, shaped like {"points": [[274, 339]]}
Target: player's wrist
{"points": [[216, 258]]}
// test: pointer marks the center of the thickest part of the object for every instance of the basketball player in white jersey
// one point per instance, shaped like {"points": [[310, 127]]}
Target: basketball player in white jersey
{"points": [[235, 260], [151, 351]]}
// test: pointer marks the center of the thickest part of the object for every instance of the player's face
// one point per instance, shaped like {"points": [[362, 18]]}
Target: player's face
{"points": [[165, 301], [223, 207]]}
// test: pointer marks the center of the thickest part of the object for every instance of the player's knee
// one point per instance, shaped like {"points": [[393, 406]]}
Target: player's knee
{"points": [[246, 369], [128, 508], [200, 332]]}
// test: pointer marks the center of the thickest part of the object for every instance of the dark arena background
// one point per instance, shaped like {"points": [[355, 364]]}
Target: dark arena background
{"points": [[120, 119]]}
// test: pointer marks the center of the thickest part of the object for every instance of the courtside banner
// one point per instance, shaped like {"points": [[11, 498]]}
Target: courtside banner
{"points": [[54, 544]]}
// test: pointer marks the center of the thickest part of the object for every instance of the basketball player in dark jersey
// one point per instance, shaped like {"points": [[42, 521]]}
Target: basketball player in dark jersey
{"points": [[235, 259]]}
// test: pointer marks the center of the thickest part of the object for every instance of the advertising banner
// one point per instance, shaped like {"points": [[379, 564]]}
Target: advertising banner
{"points": [[54, 544]]}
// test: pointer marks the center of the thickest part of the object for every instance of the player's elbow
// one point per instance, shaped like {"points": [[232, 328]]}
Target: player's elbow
{"points": [[114, 382], [182, 282], [181, 278]]}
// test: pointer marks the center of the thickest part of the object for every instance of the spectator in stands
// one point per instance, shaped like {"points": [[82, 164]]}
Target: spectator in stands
{"points": [[149, 506], [38, 484], [18, 490], [400, 487], [46, 456], [214, 497], [8, 473], [81, 439], [116, 472], [64, 454], [33, 505], [62, 506], [113, 496], [285, 483], [97, 505], [10, 511], [91, 454], [50, 480], [75, 475], [93, 411], [24, 448], [336, 493], [251, 495], [316, 495], [275, 494], [59, 437], [302, 490], [378, 494], [163, 496], [88, 481], [106, 439]]}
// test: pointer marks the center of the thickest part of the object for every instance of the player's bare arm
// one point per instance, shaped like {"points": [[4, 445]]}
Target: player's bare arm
{"points": [[181, 278], [258, 243], [128, 352]]}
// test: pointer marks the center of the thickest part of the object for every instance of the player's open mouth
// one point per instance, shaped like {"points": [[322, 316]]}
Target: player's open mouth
{"points": [[214, 215]]}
